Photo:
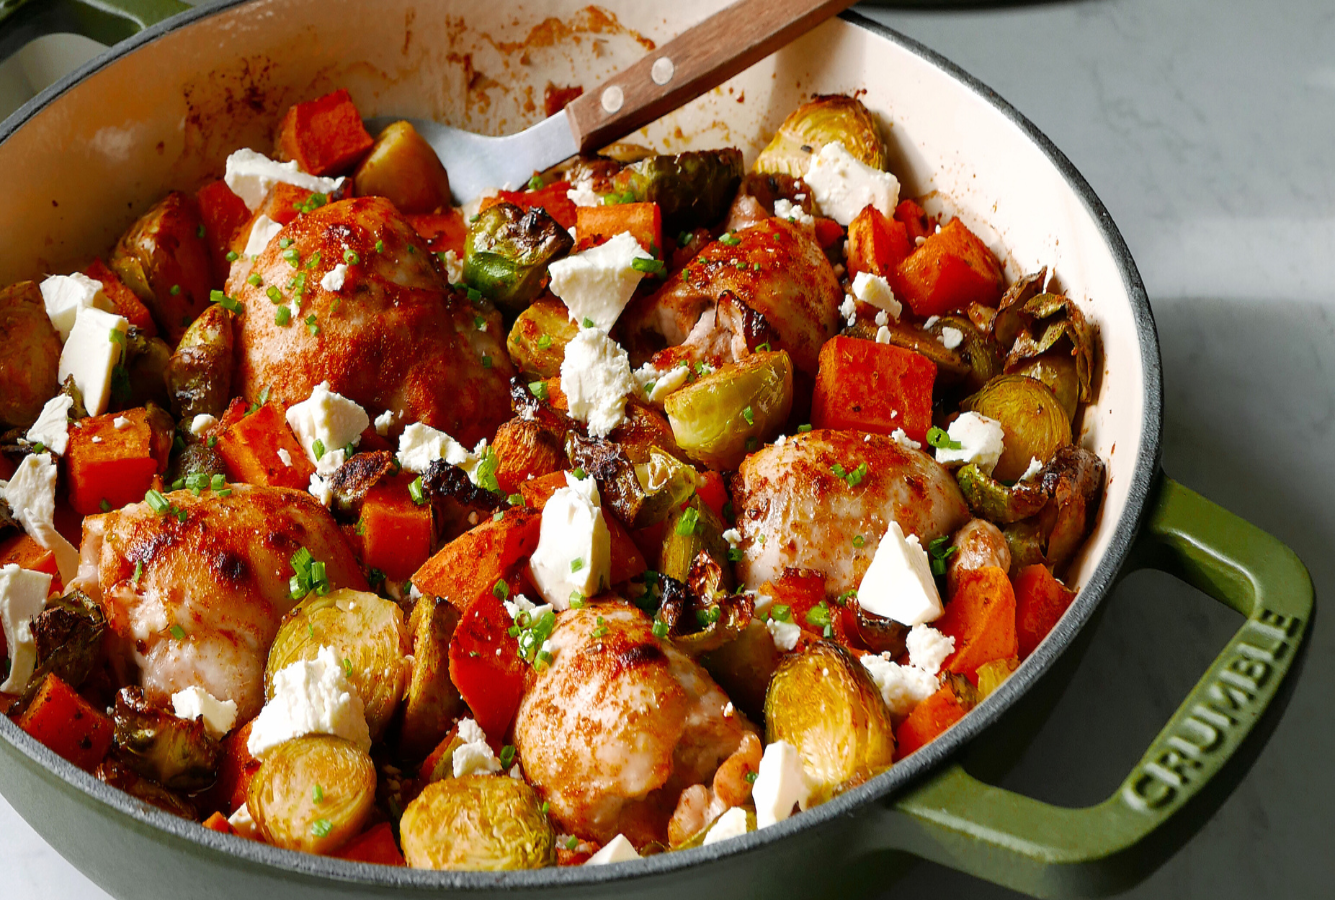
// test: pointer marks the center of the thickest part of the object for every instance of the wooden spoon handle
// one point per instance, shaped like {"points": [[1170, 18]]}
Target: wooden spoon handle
{"points": [[693, 62]]}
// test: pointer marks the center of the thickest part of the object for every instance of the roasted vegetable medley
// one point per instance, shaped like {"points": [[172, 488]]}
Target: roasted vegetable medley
{"points": [[631, 511]]}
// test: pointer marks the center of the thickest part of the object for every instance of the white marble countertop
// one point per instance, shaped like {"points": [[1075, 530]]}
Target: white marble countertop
{"points": [[1208, 129]]}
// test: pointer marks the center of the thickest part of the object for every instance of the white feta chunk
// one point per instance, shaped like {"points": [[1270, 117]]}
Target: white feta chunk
{"points": [[454, 267], [928, 648], [519, 605], [596, 378], [119, 422], [383, 422], [656, 385], [196, 703], [52, 428], [597, 284], [421, 445], [980, 440], [320, 488], [473, 756], [262, 232], [729, 825], [843, 184], [90, 355], [951, 337], [574, 546], [252, 175], [22, 595], [581, 193], [785, 634], [333, 279], [244, 824], [64, 295], [849, 310], [904, 440], [1034, 469], [899, 583], [793, 212], [311, 697], [901, 687], [875, 290], [325, 423], [618, 849], [882, 319], [780, 784], [31, 495], [733, 537], [883, 334], [202, 423]]}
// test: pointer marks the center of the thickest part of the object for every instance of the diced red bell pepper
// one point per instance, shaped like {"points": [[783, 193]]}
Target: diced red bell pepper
{"points": [[375, 845], [713, 493], [828, 232], [485, 664], [325, 135], [928, 720], [865, 386], [914, 219]]}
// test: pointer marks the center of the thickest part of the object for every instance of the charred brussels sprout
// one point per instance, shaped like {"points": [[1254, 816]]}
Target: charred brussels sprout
{"points": [[823, 703], [403, 168], [691, 189], [641, 494], [478, 822], [991, 500], [433, 700], [744, 667], [146, 365], [116, 773], [725, 415], [163, 258], [313, 793], [1025, 542], [196, 458], [175, 753], [686, 533], [537, 342], [199, 373], [366, 631], [1061, 376], [1034, 325], [1032, 418], [29, 354], [507, 252], [823, 120], [68, 637], [1074, 479]]}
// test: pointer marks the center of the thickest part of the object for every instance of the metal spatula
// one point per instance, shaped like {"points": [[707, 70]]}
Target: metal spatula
{"points": [[695, 61]]}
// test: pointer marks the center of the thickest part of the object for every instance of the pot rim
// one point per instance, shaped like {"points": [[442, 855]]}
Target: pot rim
{"points": [[881, 789]]}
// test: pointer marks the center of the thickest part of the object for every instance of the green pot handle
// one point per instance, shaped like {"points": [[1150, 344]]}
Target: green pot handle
{"points": [[1194, 762], [105, 21]]}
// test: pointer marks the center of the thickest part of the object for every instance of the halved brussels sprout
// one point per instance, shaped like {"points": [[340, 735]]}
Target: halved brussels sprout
{"points": [[820, 121], [980, 354], [402, 167], [1059, 372], [991, 500], [176, 753], [163, 258], [537, 342], [29, 354], [312, 793], [687, 532], [477, 823], [744, 667], [641, 494], [116, 773], [507, 251], [700, 614], [1025, 542], [1074, 479], [365, 631], [68, 636], [1031, 324], [196, 458], [433, 701], [725, 415], [146, 360], [1032, 418], [879, 634], [199, 373], [823, 703], [691, 189]]}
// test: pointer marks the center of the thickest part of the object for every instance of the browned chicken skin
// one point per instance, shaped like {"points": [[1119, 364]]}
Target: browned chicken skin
{"points": [[394, 337], [793, 510], [787, 280], [219, 578], [619, 724]]}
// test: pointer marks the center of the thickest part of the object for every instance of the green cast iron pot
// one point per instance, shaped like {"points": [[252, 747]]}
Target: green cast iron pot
{"points": [[184, 87]]}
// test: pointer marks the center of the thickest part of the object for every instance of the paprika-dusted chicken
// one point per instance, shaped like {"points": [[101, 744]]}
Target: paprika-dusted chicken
{"points": [[193, 593], [391, 335]]}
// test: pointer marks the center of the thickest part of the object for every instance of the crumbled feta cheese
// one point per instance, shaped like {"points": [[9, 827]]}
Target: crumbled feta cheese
{"points": [[780, 784], [729, 825], [931, 320], [574, 546], [882, 319], [52, 428], [22, 596], [618, 849], [333, 279], [843, 184], [320, 489], [581, 193], [849, 310], [310, 697], [883, 334], [951, 337], [31, 495], [596, 377], [473, 756], [520, 605], [656, 384], [785, 634], [333, 420], [202, 423], [1033, 471], [64, 295], [284, 457], [904, 440], [597, 284], [901, 687], [762, 603], [421, 445], [899, 583], [729, 710], [252, 175], [793, 212], [244, 824], [262, 233], [980, 440], [196, 703], [119, 422], [875, 290], [454, 267], [928, 648], [90, 355], [733, 537], [383, 422]]}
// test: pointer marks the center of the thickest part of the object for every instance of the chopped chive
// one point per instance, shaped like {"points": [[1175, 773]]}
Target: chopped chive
{"points": [[544, 342], [651, 266], [729, 239], [274, 295], [379, 246], [576, 564], [282, 315], [318, 449], [231, 256], [310, 324], [175, 290], [539, 389], [254, 280], [689, 523], [322, 827], [749, 415], [351, 258], [415, 491], [177, 632]]}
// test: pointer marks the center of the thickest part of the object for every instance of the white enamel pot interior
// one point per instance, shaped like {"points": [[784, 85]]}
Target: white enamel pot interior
{"points": [[163, 112]]}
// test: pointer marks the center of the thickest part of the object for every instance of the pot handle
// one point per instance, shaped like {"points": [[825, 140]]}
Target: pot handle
{"points": [[1193, 763], [105, 21]]}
